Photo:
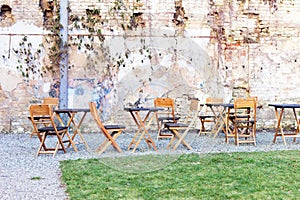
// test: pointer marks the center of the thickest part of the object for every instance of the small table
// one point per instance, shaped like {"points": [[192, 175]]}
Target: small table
{"points": [[142, 125], [222, 113], [219, 112], [71, 112], [279, 110]]}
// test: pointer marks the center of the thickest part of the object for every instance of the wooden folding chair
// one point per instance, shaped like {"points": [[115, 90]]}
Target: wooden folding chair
{"points": [[111, 132], [188, 123], [230, 133], [164, 116], [244, 120], [209, 116], [47, 127], [48, 101]]}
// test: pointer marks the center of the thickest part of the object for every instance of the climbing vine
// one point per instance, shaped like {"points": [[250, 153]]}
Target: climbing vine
{"points": [[29, 63], [86, 35], [273, 4], [90, 43]]}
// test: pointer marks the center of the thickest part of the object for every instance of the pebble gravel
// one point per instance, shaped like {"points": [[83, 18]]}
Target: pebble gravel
{"points": [[25, 176]]}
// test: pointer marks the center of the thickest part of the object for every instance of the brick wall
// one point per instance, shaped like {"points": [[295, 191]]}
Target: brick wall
{"points": [[181, 49]]}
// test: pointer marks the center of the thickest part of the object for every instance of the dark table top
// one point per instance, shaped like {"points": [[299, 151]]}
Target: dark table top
{"points": [[285, 105], [68, 110], [143, 109], [228, 105]]}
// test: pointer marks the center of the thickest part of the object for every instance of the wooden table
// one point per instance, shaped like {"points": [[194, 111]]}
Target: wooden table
{"points": [[219, 111], [72, 112], [279, 110], [143, 125]]}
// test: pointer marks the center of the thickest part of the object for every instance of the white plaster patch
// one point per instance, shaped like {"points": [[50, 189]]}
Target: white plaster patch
{"points": [[46, 87], [9, 79], [22, 28]]}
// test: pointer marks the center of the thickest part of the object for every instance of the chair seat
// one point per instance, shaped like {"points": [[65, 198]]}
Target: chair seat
{"points": [[168, 118], [51, 128], [114, 126], [206, 116], [173, 125], [39, 117]]}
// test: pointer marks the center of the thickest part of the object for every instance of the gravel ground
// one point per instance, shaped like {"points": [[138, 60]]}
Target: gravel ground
{"points": [[24, 176]]}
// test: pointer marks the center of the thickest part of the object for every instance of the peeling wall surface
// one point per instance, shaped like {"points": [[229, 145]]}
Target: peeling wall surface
{"points": [[125, 53]]}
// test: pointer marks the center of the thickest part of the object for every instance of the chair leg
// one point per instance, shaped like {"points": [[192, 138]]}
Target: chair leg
{"points": [[171, 142], [71, 141], [104, 146], [236, 136], [107, 142], [182, 140], [115, 145], [32, 133], [60, 142], [254, 139], [202, 128], [42, 145], [101, 146]]}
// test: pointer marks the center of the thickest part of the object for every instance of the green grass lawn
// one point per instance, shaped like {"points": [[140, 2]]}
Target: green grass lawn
{"points": [[259, 175]]}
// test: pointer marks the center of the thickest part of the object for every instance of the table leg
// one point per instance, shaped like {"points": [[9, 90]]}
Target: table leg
{"points": [[138, 123], [297, 124], [141, 125], [148, 138], [71, 142], [279, 127], [219, 121], [76, 128], [228, 132], [142, 128]]}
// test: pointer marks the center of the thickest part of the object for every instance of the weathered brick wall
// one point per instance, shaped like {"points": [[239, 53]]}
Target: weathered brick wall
{"points": [[181, 49]]}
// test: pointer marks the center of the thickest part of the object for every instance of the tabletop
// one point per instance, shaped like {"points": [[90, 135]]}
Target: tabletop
{"points": [[67, 110], [143, 109], [225, 105], [285, 105]]}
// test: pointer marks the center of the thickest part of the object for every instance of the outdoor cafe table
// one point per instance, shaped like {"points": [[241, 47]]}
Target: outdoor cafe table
{"points": [[72, 112], [279, 111], [143, 125], [220, 112]]}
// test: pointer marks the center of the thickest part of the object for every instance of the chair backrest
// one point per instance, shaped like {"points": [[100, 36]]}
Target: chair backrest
{"points": [[214, 100], [38, 112], [194, 109], [166, 103], [245, 108]]}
